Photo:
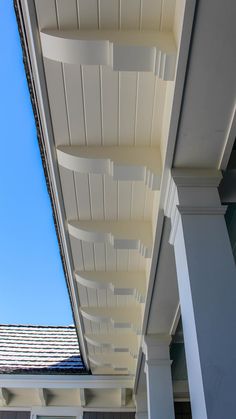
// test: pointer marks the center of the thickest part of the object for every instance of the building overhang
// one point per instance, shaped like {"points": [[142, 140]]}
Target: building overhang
{"points": [[135, 245]]}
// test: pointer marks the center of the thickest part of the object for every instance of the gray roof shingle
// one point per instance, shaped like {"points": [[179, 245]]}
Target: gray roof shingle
{"points": [[39, 349]]}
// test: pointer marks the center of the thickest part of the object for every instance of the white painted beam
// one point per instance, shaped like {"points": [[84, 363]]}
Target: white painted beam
{"points": [[136, 235], [117, 343], [43, 396], [65, 381], [120, 317], [4, 396], [119, 283], [122, 50], [119, 363], [121, 163]]}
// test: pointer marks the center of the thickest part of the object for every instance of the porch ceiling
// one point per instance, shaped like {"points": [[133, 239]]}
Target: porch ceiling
{"points": [[102, 128]]}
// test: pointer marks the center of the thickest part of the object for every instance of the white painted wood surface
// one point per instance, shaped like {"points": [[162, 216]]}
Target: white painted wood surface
{"points": [[118, 317], [134, 235], [121, 50], [120, 283], [206, 279], [121, 163], [127, 342], [111, 214]]}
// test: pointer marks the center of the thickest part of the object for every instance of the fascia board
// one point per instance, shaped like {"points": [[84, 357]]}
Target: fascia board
{"points": [[65, 381], [28, 15]]}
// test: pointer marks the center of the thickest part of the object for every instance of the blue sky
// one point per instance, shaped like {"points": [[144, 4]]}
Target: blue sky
{"points": [[32, 284]]}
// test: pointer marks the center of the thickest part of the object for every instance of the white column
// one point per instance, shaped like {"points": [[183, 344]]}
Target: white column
{"points": [[207, 288], [141, 415], [158, 375], [141, 405]]}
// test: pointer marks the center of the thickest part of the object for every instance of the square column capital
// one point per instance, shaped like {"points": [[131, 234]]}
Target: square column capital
{"points": [[192, 192], [156, 347], [188, 187], [201, 178]]}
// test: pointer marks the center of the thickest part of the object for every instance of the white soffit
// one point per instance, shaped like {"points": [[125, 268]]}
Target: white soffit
{"points": [[115, 343], [106, 67]]}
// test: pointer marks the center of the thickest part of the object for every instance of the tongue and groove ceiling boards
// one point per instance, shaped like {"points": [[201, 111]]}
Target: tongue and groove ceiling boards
{"points": [[110, 75]]}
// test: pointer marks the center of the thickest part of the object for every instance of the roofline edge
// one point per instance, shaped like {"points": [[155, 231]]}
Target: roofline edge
{"points": [[45, 162]]}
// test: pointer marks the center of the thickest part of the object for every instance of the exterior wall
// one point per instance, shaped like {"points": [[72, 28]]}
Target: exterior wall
{"points": [[182, 411], [107, 415], [14, 415], [86, 415]]}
